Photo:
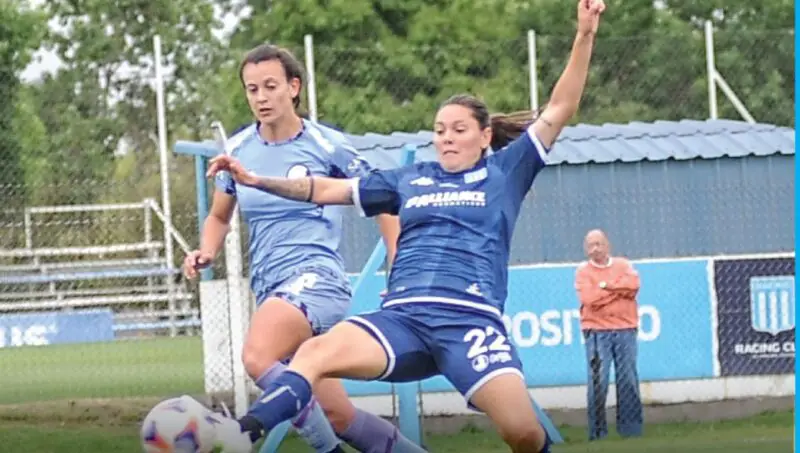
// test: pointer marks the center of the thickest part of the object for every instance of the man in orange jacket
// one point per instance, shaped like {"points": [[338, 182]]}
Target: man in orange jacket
{"points": [[607, 287]]}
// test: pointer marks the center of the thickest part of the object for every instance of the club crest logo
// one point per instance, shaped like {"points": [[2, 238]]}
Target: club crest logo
{"points": [[298, 171], [772, 304]]}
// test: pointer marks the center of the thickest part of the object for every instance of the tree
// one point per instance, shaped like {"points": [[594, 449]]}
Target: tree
{"points": [[384, 66], [20, 30], [100, 106]]}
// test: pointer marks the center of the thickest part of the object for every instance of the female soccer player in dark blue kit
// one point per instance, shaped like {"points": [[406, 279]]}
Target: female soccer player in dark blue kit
{"points": [[447, 288]]}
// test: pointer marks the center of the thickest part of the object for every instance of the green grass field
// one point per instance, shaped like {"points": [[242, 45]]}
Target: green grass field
{"points": [[134, 368], [767, 433], [90, 398]]}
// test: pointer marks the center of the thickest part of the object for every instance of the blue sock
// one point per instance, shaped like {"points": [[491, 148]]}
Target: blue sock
{"points": [[311, 423], [283, 399]]}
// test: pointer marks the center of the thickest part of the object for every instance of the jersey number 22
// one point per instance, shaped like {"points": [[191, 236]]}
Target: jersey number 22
{"points": [[479, 337]]}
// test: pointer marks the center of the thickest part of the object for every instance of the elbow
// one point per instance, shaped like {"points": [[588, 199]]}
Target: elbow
{"points": [[219, 219]]}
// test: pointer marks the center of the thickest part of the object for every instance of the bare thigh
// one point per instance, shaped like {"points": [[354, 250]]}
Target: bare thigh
{"points": [[346, 351], [505, 400], [276, 330]]}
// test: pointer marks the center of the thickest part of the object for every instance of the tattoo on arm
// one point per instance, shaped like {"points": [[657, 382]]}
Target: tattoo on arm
{"points": [[299, 189]]}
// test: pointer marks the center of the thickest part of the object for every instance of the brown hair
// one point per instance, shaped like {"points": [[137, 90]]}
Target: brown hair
{"points": [[505, 127], [267, 52]]}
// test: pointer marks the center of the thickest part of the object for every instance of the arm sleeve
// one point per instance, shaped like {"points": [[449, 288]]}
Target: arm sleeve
{"points": [[629, 279], [376, 193], [224, 183], [522, 160]]}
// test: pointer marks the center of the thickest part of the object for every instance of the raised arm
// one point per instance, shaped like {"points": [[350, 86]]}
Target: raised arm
{"points": [[567, 92]]}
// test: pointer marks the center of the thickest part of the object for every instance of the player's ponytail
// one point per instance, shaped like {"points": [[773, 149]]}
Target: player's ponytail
{"points": [[507, 127]]}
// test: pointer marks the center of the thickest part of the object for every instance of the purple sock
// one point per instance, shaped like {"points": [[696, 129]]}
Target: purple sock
{"points": [[369, 433], [270, 375]]}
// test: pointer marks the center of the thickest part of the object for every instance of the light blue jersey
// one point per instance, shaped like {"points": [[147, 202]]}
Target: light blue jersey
{"points": [[289, 238]]}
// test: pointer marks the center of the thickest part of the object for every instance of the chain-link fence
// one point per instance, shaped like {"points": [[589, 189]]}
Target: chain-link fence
{"points": [[84, 272], [638, 78]]}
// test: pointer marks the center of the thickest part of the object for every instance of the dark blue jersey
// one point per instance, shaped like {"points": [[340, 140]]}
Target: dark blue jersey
{"points": [[456, 228]]}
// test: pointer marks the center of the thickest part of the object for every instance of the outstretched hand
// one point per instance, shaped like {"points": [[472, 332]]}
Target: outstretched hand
{"points": [[589, 12], [223, 162]]}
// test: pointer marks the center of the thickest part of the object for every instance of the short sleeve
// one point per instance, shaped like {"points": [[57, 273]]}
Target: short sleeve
{"points": [[224, 183], [376, 193], [522, 160], [346, 162]]}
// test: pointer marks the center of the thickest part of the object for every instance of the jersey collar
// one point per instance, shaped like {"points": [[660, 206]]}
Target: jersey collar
{"points": [[282, 142], [481, 164]]}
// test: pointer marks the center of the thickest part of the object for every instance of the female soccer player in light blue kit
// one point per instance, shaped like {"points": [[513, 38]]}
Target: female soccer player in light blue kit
{"points": [[296, 272], [447, 288]]}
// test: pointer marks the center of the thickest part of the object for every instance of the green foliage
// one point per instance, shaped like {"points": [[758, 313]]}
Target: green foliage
{"points": [[20, 29], [87, 133], [384, 66]]}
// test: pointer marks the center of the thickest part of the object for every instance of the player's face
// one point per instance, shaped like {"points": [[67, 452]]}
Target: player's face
{"points": [[459, 138], [269, 93]]}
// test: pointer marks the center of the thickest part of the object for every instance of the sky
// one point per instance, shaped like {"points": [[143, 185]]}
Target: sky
{"points": [[45, 61]]}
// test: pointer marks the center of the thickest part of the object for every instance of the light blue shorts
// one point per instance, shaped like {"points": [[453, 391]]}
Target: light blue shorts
{"points": [[324, 296]]}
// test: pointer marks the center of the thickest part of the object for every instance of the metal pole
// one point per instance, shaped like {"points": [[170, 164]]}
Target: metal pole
{"points": [[238, 295], [534, 77], [711, 71], [165, 202], [200, 168], [148, 238], [737, 103], [312, 81]]}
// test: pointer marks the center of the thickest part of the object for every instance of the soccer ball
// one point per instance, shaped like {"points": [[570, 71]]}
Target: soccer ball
{"points": [[178, 425]]}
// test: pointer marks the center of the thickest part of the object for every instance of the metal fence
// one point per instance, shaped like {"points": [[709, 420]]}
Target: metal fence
{"points": [[75, 278]]}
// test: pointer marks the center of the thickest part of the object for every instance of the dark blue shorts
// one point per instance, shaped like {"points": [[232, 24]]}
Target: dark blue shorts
{"points": [[424, 340]]}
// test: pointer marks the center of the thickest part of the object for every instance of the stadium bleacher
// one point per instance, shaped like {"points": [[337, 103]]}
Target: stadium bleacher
{"points": [[134, 280]]}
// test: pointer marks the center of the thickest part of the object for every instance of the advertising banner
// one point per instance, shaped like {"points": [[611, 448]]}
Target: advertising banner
{"points": [[542, 321], [755, 315], [40, 329]]}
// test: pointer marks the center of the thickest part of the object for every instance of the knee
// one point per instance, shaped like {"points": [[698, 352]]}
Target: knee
{"points": [[524, 437], [313, 355], [257, 359]]}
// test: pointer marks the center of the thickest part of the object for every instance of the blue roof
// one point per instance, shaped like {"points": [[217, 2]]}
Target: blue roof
{"points": [[633, 142]]}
